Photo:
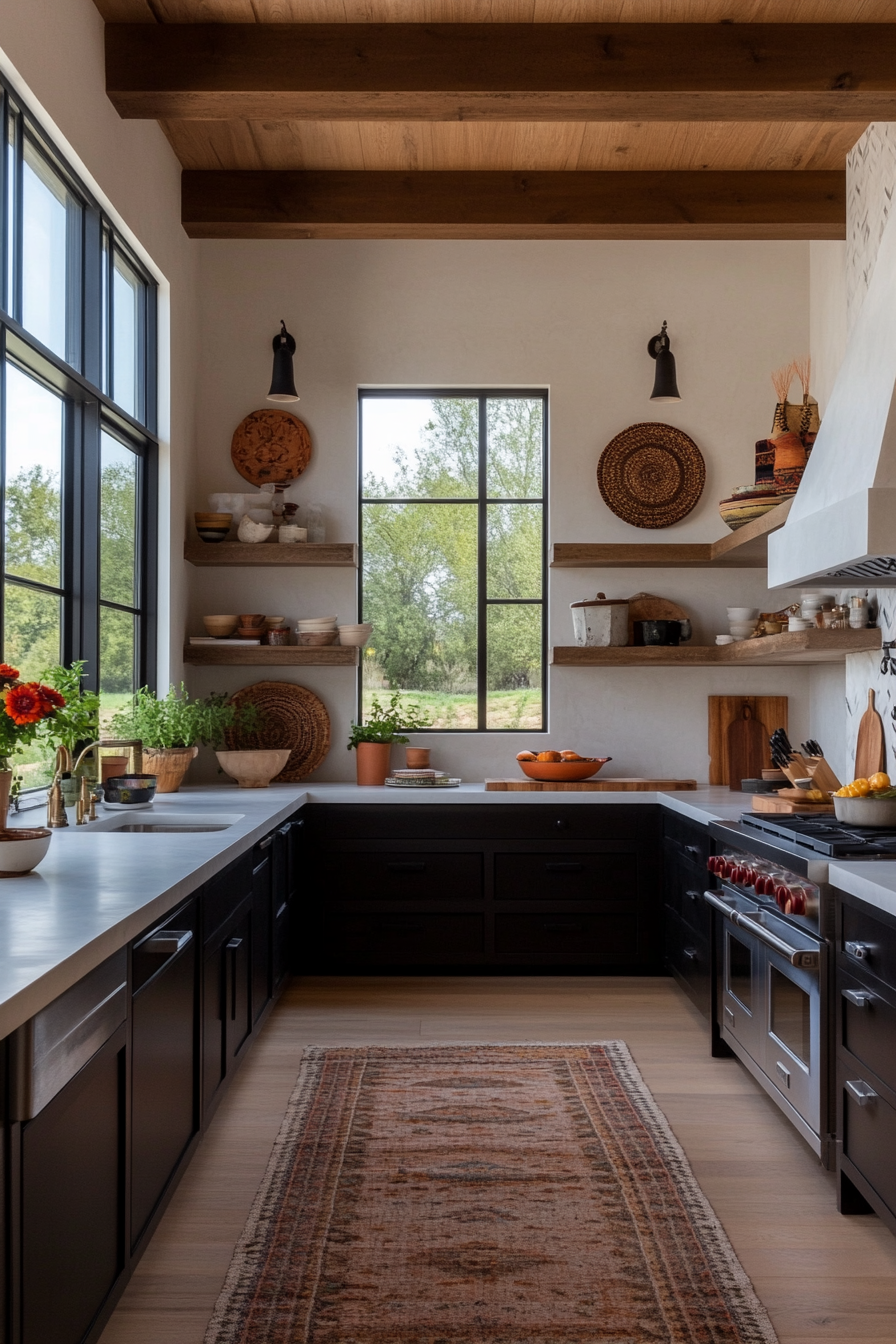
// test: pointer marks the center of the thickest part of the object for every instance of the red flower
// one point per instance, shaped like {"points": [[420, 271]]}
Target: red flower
{"points": [[25, 703], [8, 673], [51, 698]]}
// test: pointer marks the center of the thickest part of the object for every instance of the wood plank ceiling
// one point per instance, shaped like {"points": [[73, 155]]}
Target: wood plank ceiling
{"points": [[503, 129]]}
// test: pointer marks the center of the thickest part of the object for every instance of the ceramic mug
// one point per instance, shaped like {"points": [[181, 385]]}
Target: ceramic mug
{"points": [[664, 632]]}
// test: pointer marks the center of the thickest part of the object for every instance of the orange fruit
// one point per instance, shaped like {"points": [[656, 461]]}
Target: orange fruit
{"points": [[570, 756], [548, 756], [862, 788], [879, 781], [525, 755]]}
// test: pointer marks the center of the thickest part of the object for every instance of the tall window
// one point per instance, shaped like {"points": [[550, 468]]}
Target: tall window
{"points": [[453, 531], [77, 427]]}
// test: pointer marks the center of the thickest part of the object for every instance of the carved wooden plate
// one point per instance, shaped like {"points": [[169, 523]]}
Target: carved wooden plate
{"points": [[270, 447], [651, 475]]}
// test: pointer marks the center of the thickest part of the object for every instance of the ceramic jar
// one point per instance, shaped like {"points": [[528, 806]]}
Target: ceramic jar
{"points": [[600, 622]]}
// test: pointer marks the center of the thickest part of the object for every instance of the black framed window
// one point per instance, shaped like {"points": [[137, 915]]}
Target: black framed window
{"points": [[78, 448], [453, 528]]}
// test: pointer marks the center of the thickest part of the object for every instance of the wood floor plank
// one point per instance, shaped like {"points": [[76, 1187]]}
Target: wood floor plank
{"points": [[822, 1277]]}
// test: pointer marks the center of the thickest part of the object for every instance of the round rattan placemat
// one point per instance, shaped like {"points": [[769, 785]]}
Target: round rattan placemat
{"points": [[294, 717], [651, 475], [270, 447]]}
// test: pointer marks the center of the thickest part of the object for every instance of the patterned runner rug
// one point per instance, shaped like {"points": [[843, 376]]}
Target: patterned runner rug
{"points": [[481, 1194]]}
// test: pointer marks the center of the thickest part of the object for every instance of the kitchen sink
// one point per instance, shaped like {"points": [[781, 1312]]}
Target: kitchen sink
{"points": [[141, 824]]}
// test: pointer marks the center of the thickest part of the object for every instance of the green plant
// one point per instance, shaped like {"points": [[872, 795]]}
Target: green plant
{"points": [[385, 722], [178, 721], [79, 720]]}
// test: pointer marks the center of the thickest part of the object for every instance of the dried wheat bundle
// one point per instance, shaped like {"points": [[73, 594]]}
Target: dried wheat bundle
{"points": [[803, 370], [781, 380]]}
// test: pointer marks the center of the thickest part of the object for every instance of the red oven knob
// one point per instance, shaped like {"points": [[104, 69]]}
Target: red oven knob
{"points": [[784, 898], [765, 886], [743, 875], [712, 864]]}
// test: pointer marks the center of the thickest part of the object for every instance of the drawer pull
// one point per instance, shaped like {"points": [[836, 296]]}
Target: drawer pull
{"points": [[564, 867], [555, 926], [784, 1074], [282, 911], [167, 944], [265, 843], [693, 895], [694, 851], [861, 951], [859, 998], [690, 953], [406, 867], [860, 1092]]}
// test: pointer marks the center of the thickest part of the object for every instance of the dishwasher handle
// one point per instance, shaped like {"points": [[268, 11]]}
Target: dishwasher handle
{"points": [[805, 959], [719, 903], [167, 943]]}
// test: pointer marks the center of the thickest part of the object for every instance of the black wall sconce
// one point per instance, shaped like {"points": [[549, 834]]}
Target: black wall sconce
{"points": [[283, 383], [665, 388]]}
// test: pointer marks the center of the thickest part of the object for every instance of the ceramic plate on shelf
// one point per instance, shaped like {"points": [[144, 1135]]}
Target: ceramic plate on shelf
{"points": [[291, 716]]}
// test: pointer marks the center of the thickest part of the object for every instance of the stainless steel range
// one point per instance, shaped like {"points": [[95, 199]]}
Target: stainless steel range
{"points": [[773, 955]]}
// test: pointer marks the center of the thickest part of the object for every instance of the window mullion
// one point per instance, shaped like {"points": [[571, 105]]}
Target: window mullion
{"points": [[17, 242], [482, 576], [86, 579]]}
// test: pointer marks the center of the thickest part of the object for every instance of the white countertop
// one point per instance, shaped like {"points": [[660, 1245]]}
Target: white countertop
{"points": [[97, 890]]}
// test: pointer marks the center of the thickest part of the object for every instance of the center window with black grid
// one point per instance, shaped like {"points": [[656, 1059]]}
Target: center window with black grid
{"points": [[453, 542]]}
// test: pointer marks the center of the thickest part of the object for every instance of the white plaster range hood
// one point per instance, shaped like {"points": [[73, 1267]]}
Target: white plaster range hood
{"points": [[842, 524]]}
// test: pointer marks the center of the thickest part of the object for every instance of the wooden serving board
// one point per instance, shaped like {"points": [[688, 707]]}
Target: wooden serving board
{"points": [[870, 742], [770, 802], [631, 785], [724, 710]]}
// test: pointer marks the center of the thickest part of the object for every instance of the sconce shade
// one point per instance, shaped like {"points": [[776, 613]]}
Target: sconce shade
{"points": [[665, 386], [283, 385]]}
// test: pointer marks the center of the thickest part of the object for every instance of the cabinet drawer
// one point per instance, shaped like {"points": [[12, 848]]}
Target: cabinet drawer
{"points": [[869, 1136], [693, 843], [591, 937], [222, 895], [868, 1027], [566, 877], [876, 940], [331, 824], [376, 876], [688, 957], [404, 938]]}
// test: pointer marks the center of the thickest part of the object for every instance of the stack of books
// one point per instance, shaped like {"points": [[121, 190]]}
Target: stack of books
{"points": [[421, 779]]}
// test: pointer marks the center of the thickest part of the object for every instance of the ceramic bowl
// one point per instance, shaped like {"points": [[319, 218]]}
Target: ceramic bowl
{"points": [[212, 533], [271, 622], [213, 519], [257, 621], [220, 626], [742, 629], [742, 613], [355, 638], [565, 772], [317, 638], [252, 769], [249, 632], [129, 790], [865, 811], [22, 848], [316, 625], [725, 639]]}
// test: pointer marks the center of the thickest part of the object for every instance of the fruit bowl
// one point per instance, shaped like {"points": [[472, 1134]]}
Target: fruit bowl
{"points": [[865, 811], [563, 772]]}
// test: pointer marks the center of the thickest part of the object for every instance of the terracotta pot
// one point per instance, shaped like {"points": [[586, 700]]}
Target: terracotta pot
{"points": [[373, 762], [417, 757], [169, 765], [5, 786], [253, 769]]}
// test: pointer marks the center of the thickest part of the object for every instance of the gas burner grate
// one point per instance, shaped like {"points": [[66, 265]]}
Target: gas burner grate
{"points": [[827, 837]]}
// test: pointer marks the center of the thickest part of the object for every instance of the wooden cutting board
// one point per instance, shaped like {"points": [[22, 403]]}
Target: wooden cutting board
{"points": [[631, 785], [770, 802], [646, 607], [769, 710], [870, 742], [747, 748]]}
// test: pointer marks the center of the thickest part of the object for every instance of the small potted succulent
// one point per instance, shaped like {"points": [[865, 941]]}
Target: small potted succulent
{"points": [[373, 740]]}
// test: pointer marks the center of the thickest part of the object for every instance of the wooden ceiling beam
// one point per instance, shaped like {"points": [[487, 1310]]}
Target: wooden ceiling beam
{"points": [[336, 204], [505, 71]]}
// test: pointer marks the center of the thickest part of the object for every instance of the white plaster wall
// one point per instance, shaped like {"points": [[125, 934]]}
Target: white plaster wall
{"points": [[870, 189], [52, 52], [827, 315], [573, 316]]}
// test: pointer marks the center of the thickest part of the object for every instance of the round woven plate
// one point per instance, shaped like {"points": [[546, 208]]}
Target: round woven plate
{"points": [[270, 447], [651, 475], [293, 717]]}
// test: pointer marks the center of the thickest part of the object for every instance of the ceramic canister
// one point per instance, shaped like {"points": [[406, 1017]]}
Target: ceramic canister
{"points": [[600, 622]]}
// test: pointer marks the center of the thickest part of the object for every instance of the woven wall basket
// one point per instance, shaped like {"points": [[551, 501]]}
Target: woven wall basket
{"points": [[293, 717], [651, 475]]}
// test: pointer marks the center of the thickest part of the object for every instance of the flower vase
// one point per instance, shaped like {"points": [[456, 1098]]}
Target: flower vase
{"points": [[373, 762]]}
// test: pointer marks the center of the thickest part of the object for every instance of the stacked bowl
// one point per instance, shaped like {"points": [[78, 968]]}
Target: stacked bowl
{"points": [[212, 526], [357, 635], [742, 621], [317, 631]]}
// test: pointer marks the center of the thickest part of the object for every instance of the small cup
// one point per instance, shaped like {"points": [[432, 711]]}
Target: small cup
{"points": [[725, 639]]}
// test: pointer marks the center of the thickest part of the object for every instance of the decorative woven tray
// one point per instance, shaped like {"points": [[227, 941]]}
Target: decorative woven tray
{"points": [[651, 475], [293, 717]]}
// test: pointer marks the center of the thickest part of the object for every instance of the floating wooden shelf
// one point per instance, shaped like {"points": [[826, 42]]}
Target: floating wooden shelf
{"points": [[338, 553], [747, 548], [805, 646], [264, 655]]}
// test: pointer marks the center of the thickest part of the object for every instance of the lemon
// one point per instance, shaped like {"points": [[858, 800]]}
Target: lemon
{"points": [[879, 781]]}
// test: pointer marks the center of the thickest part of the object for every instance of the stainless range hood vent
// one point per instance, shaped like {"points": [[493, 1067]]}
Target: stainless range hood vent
{"points": [[882, 568]]}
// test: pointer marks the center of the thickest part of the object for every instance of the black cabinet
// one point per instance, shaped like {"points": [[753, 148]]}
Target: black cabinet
{"points": [[73, 1201], [687, 917], [262, 925], [552, 886], [228, 977], [865, 1033], [164, 1055]]}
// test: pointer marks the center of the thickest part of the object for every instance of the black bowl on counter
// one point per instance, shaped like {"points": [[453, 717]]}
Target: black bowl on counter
{"points": [[129, 790]]}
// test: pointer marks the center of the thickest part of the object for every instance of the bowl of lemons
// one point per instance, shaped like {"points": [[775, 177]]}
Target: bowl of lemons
{"points": [[867, 802], [562, 767]]}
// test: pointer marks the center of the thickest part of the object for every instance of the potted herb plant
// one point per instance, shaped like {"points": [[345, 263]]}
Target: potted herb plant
{"points": [[373, 740], [252, 768], [170, 729]]}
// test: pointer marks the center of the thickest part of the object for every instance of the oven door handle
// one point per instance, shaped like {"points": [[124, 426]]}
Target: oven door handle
{"points": [[797, 956], [721, 905]]}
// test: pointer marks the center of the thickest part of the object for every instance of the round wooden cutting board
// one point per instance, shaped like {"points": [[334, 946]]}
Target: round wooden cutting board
{"points": [[271, 447]]}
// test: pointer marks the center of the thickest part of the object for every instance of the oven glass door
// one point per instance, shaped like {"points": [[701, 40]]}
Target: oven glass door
{"points": [[793, 1035], [742, 998]]}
